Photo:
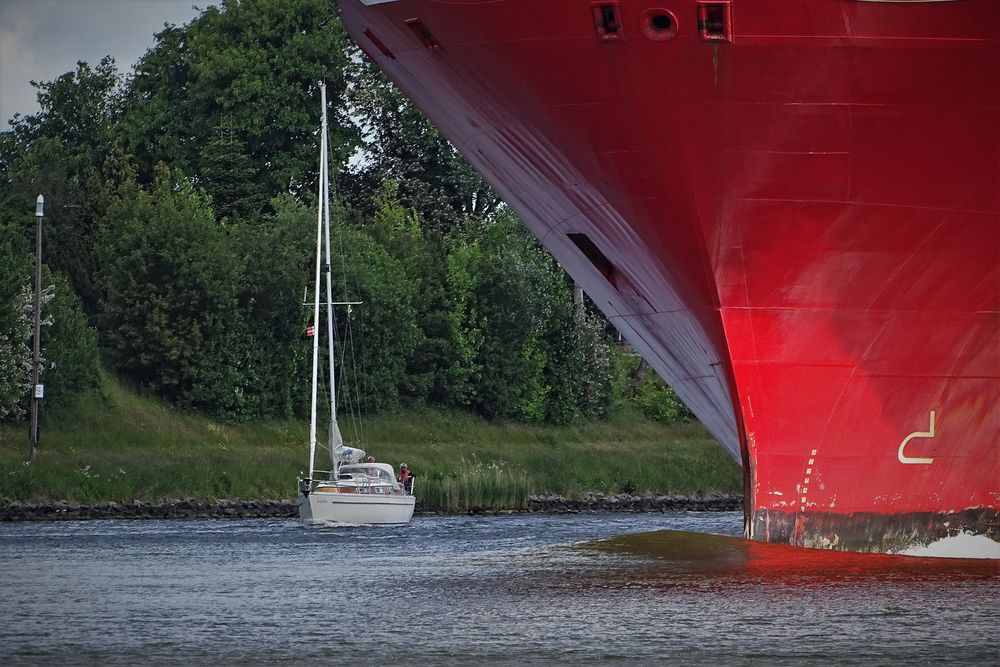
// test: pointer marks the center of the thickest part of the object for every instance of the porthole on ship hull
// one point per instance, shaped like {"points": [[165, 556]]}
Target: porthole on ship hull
{"points": [[658, 25]]}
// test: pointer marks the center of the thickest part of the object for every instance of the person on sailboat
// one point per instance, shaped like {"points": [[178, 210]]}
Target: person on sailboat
{"points": [[405, 478]]}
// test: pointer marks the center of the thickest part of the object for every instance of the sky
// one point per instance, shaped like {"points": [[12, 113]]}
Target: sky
{"points": [[42, 39]]}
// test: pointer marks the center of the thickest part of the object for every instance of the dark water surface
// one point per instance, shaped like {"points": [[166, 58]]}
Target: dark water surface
{"points": [[538, 589]]}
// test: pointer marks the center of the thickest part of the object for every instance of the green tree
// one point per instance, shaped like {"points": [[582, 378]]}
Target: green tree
{"points": [[277, 257], [70, 347], [79, 110], [15, 325], [422, 254], [68, 226], [58, 152], [169, 279], [657, 400], [579, 373], [229, 176], [252, 65], [402, 146], [501, 284], [381, 333], [564, 372], [599, 395], [68, 343], [524, 350]]}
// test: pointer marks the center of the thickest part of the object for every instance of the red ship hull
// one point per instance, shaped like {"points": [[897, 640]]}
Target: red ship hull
{"points": [[789, 207]]}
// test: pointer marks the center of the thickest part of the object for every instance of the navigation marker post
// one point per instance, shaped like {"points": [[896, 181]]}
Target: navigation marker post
{"points": [[37, 390]]}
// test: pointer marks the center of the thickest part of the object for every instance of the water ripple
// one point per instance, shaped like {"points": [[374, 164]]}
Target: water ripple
{"points": [[517, 589]]}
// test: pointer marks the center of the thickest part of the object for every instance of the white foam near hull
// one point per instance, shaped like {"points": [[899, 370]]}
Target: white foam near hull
{"points": [[355, 508], [963, 545]]}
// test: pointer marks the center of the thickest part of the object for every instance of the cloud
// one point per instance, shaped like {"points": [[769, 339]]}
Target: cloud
{"points": [[19, 62], [42, 39]]}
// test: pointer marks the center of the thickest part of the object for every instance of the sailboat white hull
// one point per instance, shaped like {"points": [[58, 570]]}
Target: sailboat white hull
{"points": [[318, 507], [368, 493]]}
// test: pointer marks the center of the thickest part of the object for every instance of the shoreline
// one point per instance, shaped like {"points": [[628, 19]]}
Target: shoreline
{"points": [[268, 509]]}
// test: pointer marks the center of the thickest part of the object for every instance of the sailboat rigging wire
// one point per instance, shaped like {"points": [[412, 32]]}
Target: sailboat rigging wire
{"points": [[354, 365], [356, 399], [353, 407], [353, 419], [334, 435], [325, 395]]}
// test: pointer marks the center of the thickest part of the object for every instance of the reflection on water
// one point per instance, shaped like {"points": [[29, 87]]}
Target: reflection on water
{"points": [[625, 588], [675, 558]]}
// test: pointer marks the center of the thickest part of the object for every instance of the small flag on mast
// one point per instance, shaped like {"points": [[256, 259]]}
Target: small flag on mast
{"points": [[310, 331]]}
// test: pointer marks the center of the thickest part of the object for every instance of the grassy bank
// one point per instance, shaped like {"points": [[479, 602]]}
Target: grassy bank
{"points": [[119, 446]]}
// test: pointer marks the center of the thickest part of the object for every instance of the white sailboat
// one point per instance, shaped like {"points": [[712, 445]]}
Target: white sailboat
{"points": [[352, 491]]}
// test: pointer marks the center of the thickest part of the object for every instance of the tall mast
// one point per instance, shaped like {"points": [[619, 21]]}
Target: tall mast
{"points": [[335, 439], [315, 341]]}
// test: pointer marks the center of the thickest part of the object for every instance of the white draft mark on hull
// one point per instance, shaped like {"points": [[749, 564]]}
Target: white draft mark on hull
{"points": [[805, 489], [916, 434]]}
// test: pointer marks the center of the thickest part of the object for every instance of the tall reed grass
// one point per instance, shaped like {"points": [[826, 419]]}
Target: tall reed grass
{"points": [[476, 485]]}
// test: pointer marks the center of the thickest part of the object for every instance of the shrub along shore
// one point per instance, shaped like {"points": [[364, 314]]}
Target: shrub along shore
{"points": [[123, 455]]}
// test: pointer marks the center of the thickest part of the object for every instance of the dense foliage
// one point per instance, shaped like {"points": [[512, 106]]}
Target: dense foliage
{"points": [[180, 225], [241, 82], [169, 314]]}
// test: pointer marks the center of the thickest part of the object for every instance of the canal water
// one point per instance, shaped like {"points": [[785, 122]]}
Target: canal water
{"points": [[623, 589]]}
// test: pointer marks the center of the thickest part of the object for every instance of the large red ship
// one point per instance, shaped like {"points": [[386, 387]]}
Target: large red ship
{"points": [[789, 207]]}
